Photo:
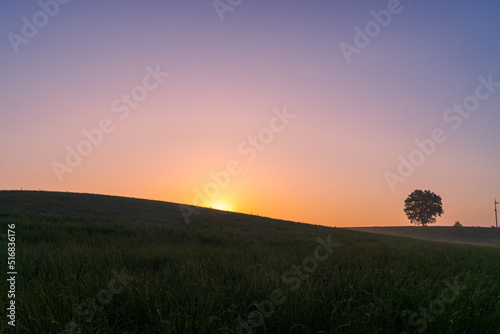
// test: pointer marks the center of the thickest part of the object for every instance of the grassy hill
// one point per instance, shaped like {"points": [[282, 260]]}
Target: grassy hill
{"points": [[101, 264], [468, 235]]}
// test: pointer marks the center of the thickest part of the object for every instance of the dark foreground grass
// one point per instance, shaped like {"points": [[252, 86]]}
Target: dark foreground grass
{"points": [[99, 264]]}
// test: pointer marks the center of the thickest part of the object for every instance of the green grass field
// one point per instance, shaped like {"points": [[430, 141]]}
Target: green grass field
{"points": [[101, 264]]}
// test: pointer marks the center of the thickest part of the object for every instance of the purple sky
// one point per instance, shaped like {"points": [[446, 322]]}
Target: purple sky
{"points": [[335, 162]]}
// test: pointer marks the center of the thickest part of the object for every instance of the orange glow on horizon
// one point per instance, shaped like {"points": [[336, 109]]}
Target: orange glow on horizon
{"points": [[221, 206]]}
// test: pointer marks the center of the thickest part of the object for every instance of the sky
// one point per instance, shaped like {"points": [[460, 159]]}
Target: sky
{"points": [[324, 112]]}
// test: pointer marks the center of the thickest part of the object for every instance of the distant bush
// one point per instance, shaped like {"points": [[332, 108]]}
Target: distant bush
{"points": [[457, 224]]}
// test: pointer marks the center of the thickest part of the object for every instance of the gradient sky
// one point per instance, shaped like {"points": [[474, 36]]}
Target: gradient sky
{"points": [[226, 81]]}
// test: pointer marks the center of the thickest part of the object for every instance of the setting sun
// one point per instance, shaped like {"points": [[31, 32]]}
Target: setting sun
{"points": [[221, 206]]}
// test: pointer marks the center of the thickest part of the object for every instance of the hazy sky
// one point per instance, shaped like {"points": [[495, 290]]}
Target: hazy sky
{"points": [[326, 112]]}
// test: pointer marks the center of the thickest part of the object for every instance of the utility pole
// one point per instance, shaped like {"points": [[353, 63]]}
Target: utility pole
{"points": [[496, 217]]}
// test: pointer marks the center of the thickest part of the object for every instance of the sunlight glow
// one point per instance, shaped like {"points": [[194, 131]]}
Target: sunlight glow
{"points": [[221, 206]]}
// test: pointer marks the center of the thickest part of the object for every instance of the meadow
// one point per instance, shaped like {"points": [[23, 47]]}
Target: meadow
{"points": [[464, 234], [101, 264]]}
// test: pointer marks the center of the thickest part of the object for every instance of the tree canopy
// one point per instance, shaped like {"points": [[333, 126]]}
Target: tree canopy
{"points": [[422, 207]]}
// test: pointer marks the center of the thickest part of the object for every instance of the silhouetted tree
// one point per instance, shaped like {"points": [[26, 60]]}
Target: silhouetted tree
{"points": [[457, 224], [422, 206]]}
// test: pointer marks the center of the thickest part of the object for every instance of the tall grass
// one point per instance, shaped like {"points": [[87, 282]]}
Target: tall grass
{"points": [[209, 276]]}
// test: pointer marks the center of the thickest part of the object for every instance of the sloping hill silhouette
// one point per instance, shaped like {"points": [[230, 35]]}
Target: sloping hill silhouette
{"points": [[103, 264]]}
